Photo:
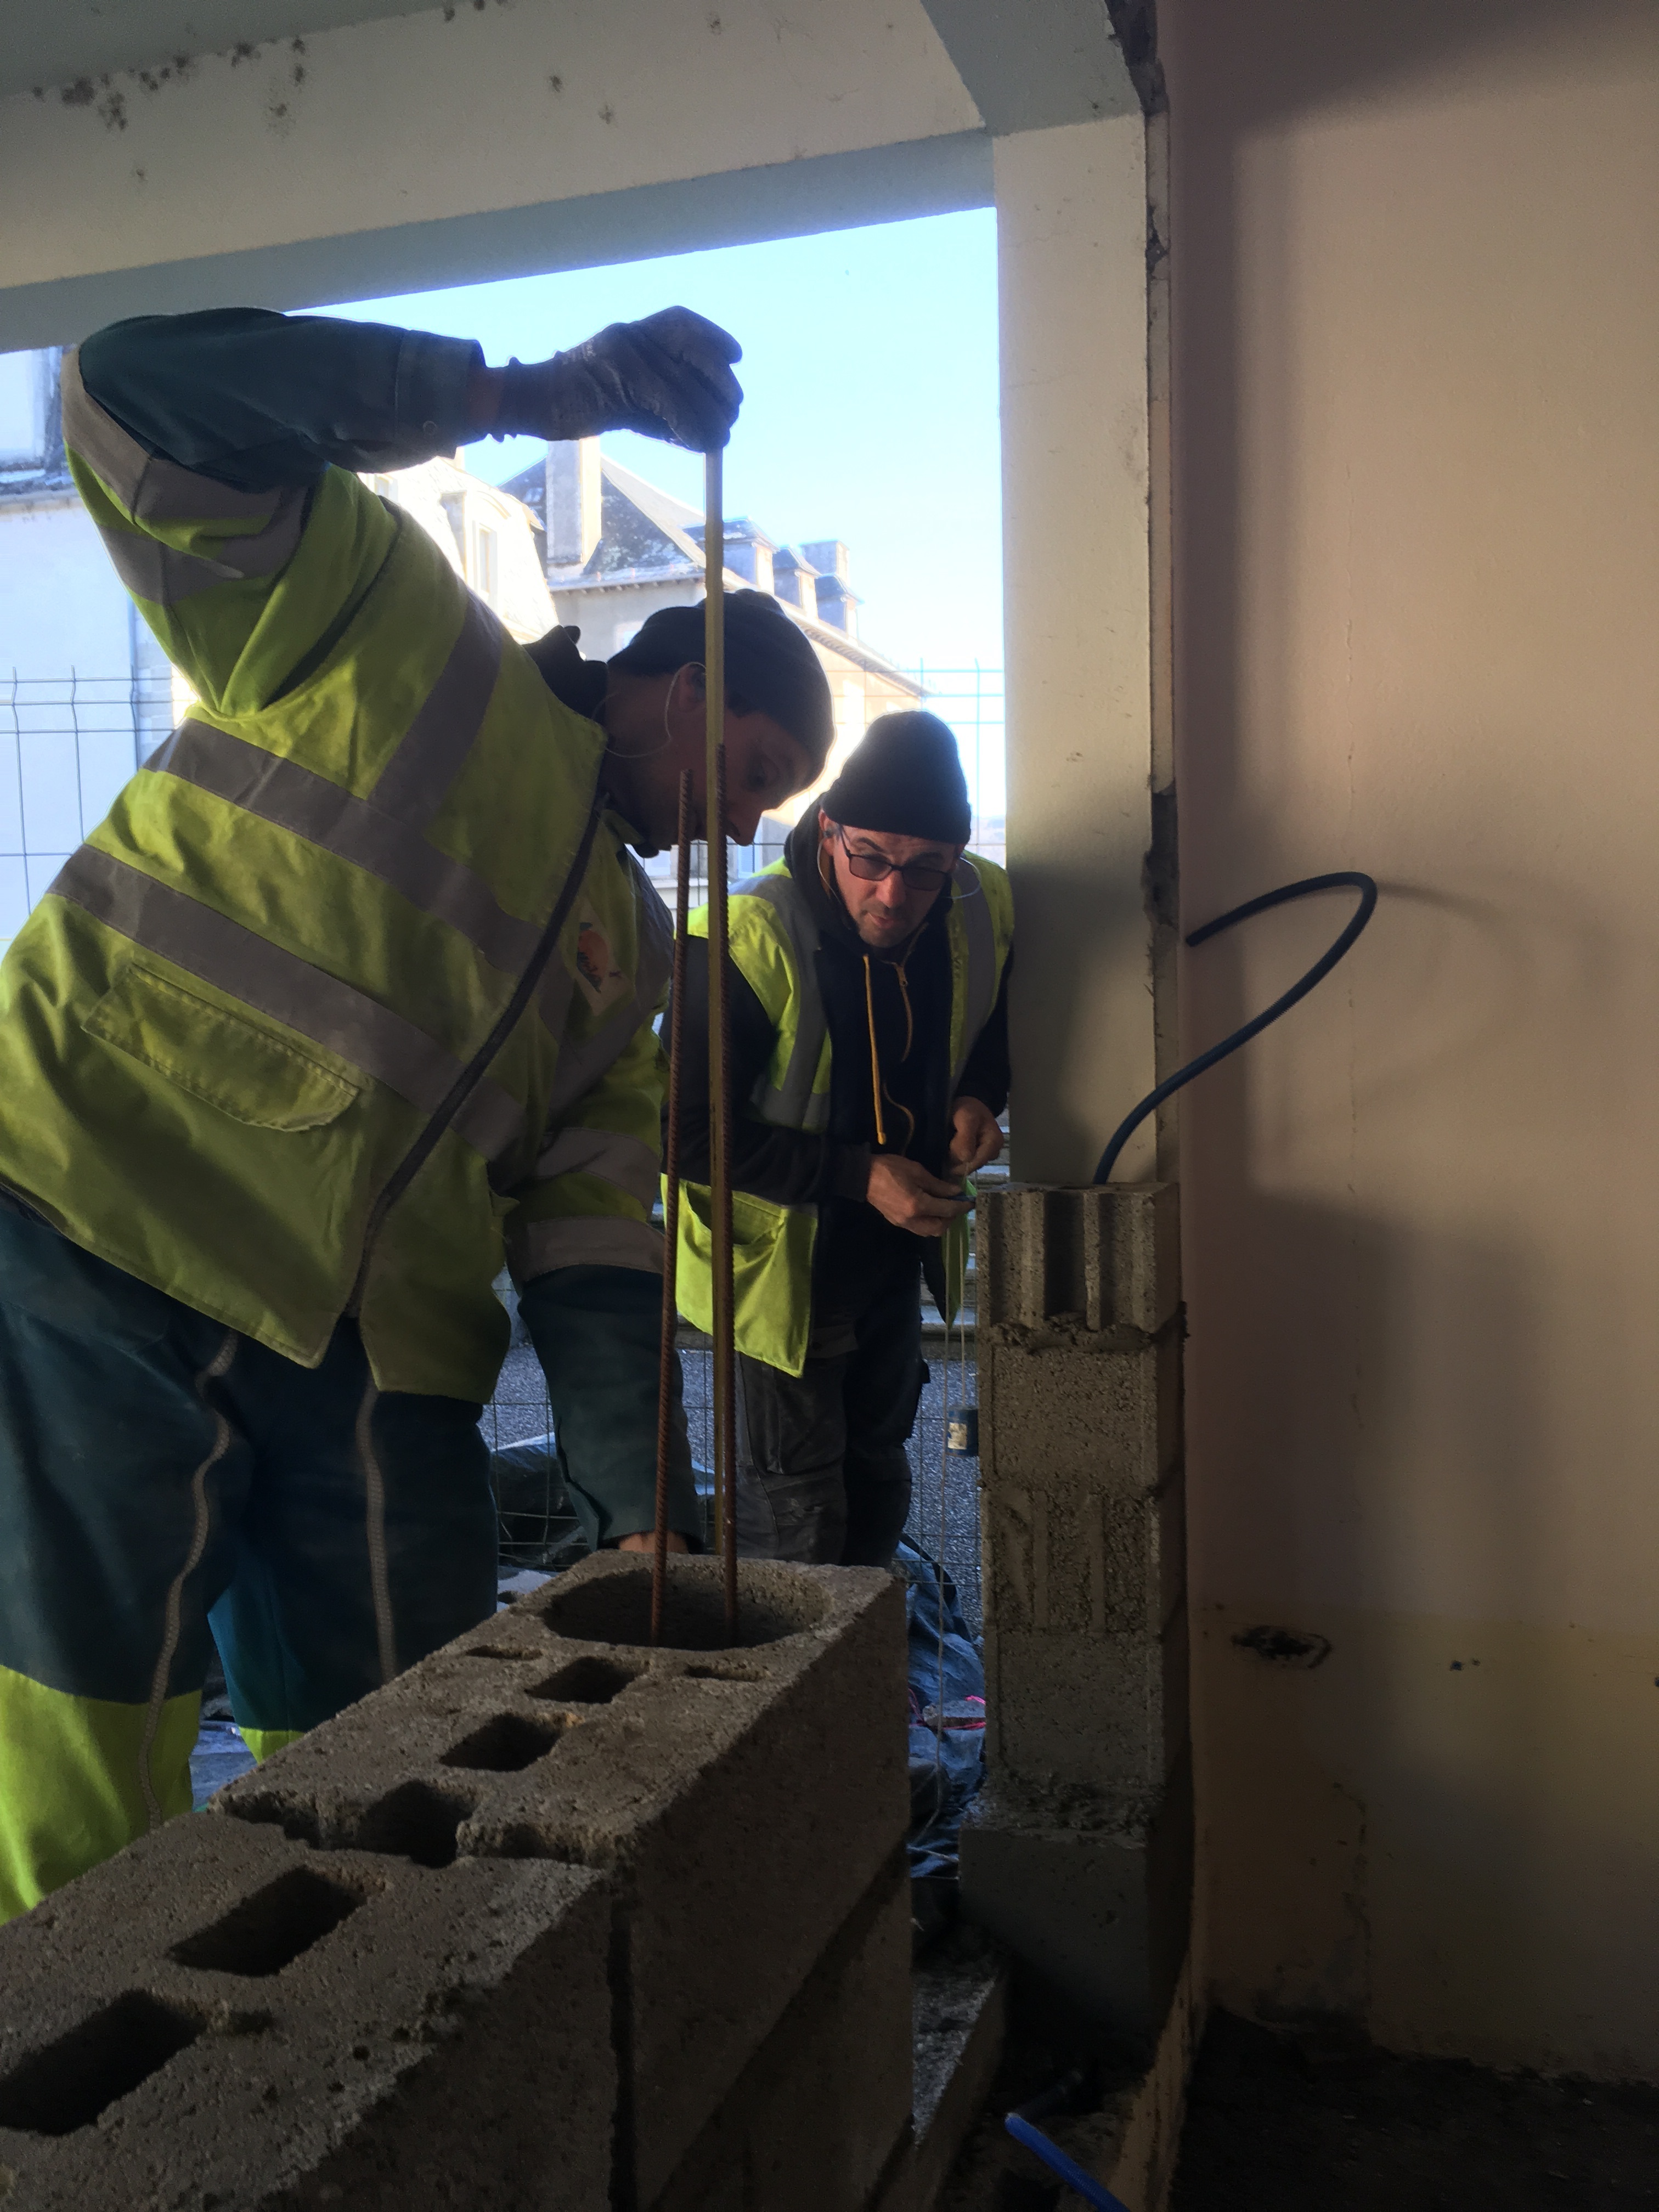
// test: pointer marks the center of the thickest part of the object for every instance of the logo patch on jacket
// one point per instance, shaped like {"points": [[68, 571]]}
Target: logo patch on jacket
{"points": [[603, 982]]}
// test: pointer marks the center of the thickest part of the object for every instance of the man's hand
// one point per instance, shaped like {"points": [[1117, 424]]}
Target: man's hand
{"points": [[667, 377], [645, 1540], [975, 1136], [912, 1198]]}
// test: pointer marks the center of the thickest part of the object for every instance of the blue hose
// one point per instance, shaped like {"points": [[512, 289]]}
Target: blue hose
{"points": [[1090, 2191], [1343, 879]]}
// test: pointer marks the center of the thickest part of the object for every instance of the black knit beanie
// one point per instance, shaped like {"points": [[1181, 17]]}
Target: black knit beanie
{"points": [[904, 778], [770, 664]]}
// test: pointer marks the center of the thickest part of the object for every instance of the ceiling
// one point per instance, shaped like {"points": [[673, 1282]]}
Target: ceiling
{"points": [[54, 42]]}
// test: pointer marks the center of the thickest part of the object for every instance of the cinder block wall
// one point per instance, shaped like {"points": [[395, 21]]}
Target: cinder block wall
{"points": [[553, 1920], [1079, 1853]]}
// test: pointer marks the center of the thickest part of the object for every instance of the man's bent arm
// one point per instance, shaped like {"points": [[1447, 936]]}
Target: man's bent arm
{"points": [[258, 401]]}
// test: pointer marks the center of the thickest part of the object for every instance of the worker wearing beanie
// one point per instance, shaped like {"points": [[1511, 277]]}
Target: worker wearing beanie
{"points": [[351, 993], [869, 1065]]}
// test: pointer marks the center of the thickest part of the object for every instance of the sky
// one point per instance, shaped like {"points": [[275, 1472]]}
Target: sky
{"points": [[870, 371]]}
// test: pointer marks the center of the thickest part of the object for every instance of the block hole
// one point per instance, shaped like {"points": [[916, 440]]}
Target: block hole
{"points": [[506, 1744], [774, 1602], [414, 1821], [271, 1929], [587, 1682], [71, 2082]]}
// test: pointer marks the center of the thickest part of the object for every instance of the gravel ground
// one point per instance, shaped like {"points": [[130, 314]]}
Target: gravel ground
{"points": [[520, 1410]]}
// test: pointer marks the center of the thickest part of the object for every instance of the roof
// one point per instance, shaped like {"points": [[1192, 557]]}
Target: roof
{"points": [[646, 536]]}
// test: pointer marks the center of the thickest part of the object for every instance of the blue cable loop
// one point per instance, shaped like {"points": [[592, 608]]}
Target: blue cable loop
{"points": [[1342, 880], [1090, 2191]]}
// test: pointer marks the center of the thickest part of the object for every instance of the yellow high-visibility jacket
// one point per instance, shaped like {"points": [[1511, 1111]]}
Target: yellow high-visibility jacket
{"points": [[352, 989], [774, 935]]}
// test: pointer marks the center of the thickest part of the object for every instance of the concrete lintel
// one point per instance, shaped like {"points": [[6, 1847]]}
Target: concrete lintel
{"points": [[785, 199], [1029, 67]]}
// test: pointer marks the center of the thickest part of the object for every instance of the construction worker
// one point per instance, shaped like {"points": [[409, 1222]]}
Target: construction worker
{"points": [[351, 990], [868, 993]]}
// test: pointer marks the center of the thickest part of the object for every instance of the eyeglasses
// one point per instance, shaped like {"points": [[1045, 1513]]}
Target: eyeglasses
{"points": [[871, 868]]}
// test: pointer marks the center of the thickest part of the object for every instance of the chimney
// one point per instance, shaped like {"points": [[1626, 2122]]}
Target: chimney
{"points": [[795, 580], [828, 555], [573, 495]]}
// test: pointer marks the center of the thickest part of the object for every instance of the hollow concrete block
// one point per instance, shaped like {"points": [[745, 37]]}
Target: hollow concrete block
{"points": [[1086, 1412], [1091, 1894], [1107, 1258], [821, 2114], [741, 1801], [1075, 1854], [220, 2016]]}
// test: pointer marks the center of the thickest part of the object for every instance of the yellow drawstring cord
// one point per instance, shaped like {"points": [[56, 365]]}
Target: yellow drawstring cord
{"points": [[875, 1065]]}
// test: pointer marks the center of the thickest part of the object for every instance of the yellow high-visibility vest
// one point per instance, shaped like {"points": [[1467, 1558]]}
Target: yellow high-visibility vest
{"points": [[773, 934], [352, 988]]}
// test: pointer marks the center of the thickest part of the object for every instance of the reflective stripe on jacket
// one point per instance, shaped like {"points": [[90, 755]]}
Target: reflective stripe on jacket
{"points": [[774, 940], [355, 977]]}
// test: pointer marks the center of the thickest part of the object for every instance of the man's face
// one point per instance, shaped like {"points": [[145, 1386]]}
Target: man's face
{"points": [[658, 727], [886, 912]]}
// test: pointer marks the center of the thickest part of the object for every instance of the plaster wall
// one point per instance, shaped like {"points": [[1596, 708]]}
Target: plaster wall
{"points": [[1416, 531], [1072, 246]]}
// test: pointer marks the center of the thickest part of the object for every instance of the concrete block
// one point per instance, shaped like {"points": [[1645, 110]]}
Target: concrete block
{"points": [[1083, 1411], [960, 2012], [821, 2115], [1093, 1896], [220, 2016], [1103, 1259], [1095, 1711], [1092, 1562], [741, 1801]]}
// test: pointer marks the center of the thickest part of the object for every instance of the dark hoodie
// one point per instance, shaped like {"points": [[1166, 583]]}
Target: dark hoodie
{"points": [[792, 1167]]}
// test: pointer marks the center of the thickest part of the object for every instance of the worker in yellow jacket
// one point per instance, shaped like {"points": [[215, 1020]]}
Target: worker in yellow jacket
{"points": [[350, 992], [869, 1016]]}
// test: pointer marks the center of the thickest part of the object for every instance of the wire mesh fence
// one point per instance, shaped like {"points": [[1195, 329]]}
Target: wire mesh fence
{"points": [[539, 1529], [67, 745]]}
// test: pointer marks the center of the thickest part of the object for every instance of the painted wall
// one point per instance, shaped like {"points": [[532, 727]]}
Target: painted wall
{"points": [[1072, 269], [1417, 518]]}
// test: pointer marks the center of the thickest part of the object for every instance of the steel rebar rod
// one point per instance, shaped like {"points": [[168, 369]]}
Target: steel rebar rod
{"points": [[671, 1214], [724, 1379]]}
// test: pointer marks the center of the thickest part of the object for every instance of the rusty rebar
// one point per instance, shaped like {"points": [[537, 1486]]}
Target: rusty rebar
{"points": [[670, 1214], [723, 1393]]}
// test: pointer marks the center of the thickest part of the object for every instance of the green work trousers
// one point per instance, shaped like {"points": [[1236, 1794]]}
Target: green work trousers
{"points": [[159, 1471]]}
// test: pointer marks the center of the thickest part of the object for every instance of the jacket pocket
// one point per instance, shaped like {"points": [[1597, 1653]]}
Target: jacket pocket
{"points": [[214, 1055]]}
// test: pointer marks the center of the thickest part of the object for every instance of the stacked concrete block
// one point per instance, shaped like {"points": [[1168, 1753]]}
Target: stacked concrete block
{"points": [[223, 2017], [820, 2118], [1078, 1854], [742, 1802], [517, 1931]]}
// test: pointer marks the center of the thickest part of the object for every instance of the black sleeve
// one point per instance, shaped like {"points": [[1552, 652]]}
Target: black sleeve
{"points": [[788, 1166], [986, 1075], [260, 401]]}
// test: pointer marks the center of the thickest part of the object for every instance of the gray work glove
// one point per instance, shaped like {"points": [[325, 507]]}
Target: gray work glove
{"points": [[667, 377]]}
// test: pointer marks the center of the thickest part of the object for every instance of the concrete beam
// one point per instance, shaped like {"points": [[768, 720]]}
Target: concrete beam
{"points": [[1029, 67], [458, 143]]}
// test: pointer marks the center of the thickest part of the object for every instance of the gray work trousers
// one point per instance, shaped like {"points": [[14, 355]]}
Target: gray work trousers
{"points": [[822, 1471]]}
